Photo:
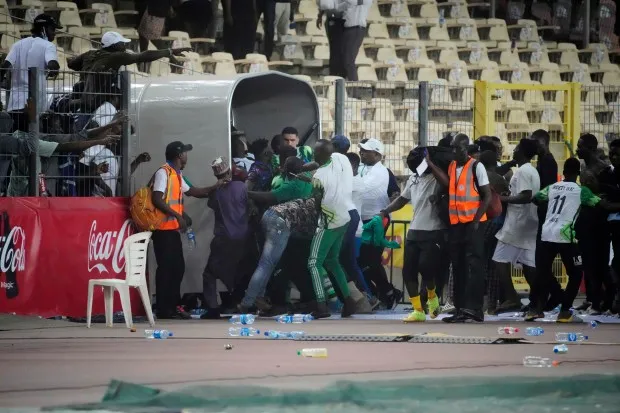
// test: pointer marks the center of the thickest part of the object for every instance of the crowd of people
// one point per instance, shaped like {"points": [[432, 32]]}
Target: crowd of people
{"points": [[316, 218]]}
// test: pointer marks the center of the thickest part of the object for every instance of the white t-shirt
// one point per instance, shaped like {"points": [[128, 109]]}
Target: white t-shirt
{"points": [[375, 181], [104, 114], [335, 179], [243, 163], [24, 54], [100, 154], [521, 224], [419, 190], [481, 174], [160, 183], [356, 197], [346, 165]]}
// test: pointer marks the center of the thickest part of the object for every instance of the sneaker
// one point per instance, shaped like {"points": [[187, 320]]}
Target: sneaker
{"points": [[415, 317], [584, 306], [263, 303], [433, 307], [211, 314], [568, 317], [533, 315], [178, 314], [447, 308], [507, 307], [319, 310], [393, 299], [374, 301], [592, 311], [348, 308]]}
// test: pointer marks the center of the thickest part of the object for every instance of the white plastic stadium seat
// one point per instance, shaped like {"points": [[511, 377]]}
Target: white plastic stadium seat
{"points": [[135, 249]]}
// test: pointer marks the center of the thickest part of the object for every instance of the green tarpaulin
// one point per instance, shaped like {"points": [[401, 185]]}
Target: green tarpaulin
{"points": [[578, 394]]}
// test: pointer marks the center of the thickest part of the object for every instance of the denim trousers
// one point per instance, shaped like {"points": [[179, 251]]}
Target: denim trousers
{"points": [[276, 234]]}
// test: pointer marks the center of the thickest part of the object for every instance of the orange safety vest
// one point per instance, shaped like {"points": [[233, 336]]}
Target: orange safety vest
{"points": [[173, 197], [464, 199]]}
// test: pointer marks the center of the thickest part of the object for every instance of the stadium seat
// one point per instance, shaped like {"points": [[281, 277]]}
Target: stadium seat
{"points": [[219, 63]]}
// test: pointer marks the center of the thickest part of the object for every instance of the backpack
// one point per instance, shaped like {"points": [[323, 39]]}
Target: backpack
{"points": [[144, 214]]}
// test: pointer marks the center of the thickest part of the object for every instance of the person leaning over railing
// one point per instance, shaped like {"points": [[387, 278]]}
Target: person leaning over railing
{"points": [[18, 181], [102, 66], [36, 51]]}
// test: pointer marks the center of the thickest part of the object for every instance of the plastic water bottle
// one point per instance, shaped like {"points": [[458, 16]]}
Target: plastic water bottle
{"points": [[507, 331], [243, 332], [593, 324], [191, 239], [244, 319], [157, 334], [291, 335], [560, 349], [442, 18], [533, 361], [534, 331], [295, 319], [313, 352], [570, 337]]}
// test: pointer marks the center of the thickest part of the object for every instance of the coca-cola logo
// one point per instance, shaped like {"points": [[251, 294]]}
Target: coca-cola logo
{"points": [[106, 248], [13, 252]]}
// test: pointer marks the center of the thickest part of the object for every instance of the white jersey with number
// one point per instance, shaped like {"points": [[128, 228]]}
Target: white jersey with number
{"points": [[564, 203]]}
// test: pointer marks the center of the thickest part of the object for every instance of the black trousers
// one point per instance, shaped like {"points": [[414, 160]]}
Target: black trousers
{"points": [[467, 256], [335, 30], [371, 263], [170, 270], [225, 261], [615, 242], [422, 256], [268, 9], [352, 38], [594, 249], [545, 255], [293, 267], [239, 38]]}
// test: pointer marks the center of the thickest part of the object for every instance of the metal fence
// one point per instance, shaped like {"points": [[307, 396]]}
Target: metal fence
{"points": [[404, 115], [66, 134]]}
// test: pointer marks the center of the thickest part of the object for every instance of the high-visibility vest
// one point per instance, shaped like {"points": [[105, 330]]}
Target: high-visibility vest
{"points": [[464, 199], [173, 197]]}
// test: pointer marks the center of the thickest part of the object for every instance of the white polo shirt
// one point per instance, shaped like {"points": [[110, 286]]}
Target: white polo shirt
{"points": [[24, 54]]}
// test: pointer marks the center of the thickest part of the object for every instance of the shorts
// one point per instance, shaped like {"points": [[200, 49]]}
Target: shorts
{"points": [[507, 253]]}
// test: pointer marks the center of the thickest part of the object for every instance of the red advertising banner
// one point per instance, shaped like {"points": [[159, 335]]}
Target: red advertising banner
{"points": [[51, 247]]}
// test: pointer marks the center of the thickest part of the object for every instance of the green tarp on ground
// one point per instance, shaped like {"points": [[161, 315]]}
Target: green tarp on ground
{"points": [[578, 394]]}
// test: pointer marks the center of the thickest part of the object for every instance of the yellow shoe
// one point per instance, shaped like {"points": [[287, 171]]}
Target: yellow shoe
{"points": [[433, 307], [415, 317]]}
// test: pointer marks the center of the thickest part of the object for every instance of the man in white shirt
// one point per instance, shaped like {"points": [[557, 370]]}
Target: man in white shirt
{"points": [[168, 187], [333, 187], [469, 195], [35, 51], [372, 181], [517, 238]]}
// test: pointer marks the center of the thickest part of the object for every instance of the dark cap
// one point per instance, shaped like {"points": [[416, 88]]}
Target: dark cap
{"points": [[176, 148], [341, 143], [45, 20]]}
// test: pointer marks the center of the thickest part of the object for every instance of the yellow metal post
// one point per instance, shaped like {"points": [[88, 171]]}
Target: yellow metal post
{"points": [[483, 113], [573, 115]]}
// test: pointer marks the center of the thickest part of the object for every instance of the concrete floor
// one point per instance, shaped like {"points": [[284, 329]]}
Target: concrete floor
{"points": [[47, 363]]}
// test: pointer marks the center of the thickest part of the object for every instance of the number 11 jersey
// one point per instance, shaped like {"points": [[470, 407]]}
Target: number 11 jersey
{"points": [[565, 200]]}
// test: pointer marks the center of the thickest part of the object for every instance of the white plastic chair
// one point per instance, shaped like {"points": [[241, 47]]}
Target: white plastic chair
{"points": [[135, 249]]}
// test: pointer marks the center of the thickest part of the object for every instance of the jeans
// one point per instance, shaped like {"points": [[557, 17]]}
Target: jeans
{"points": [[277, 234], [349, 253]]}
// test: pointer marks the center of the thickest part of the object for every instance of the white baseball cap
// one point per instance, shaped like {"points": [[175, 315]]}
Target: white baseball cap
{"points": [[111, 38], [374, 145]]}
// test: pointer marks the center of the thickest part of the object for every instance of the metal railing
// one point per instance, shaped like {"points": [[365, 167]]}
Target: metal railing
{"points": [[74, 125]]}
